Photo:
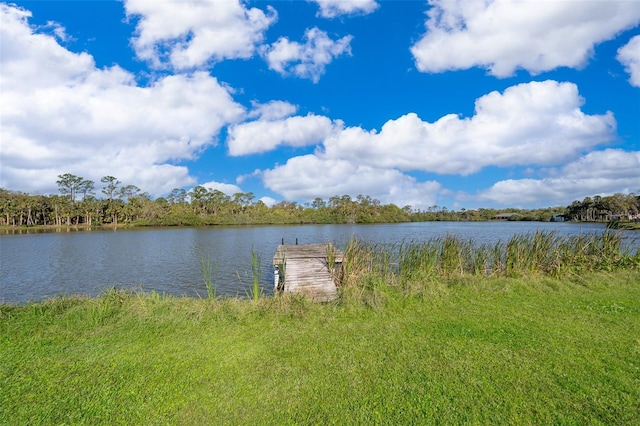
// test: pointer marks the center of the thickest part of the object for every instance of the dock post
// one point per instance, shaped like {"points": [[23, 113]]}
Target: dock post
{"points": [[276, 278]]}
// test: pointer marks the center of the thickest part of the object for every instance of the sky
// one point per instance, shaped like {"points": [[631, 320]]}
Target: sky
{"points": [[457, 104]]}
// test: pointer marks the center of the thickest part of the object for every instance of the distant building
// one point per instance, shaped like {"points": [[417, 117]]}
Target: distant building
{"points": [[503, 216]]}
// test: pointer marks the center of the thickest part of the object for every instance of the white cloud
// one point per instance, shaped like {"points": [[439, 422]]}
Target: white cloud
{"points": [[58, 30], [534, 124], [333, 8], [274, 126], [20, 45], [227, 188], [273, 110], [307, 177], [629, 56], [265, 135], [306, 60], [268, 201], [599, 172], [538, 123], [61, 114], [614, 164], [192, 33], [503, 36]]}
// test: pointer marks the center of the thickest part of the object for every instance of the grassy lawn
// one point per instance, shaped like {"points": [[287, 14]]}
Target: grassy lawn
{"points": [[467, 350]]}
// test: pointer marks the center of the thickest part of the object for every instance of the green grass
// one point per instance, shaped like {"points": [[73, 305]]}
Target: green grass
{"points": [[463, 349]]}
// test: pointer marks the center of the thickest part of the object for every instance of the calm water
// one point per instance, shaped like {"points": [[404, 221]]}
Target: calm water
{"points": [[42, 265]]}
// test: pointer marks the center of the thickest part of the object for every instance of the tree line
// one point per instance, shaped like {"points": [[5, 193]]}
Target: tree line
{"points": [[120, 204], [604, 209]]}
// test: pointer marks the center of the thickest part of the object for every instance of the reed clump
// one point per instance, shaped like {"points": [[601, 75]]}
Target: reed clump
{"points": [[255, 274], [207, 269], [369, 268]]}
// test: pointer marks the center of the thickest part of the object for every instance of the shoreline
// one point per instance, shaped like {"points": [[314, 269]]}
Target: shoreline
{"points": [[7, 229]]}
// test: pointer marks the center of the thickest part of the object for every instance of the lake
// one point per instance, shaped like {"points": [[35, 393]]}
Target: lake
{"points": [[40, 265]]}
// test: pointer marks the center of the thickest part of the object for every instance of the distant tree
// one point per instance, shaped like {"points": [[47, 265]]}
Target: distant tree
{"points": [[129, 191], [69, 184], [111, 185], [177, 196], [8, 206], [217, 201], [198, 197], [318, 203], [89, 207], [86, 188], [243, 199]]}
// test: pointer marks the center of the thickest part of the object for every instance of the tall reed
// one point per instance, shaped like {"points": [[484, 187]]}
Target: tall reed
{"points": [[366, 273], [413, 263], [282, 267], [255, 273], [207, 269]]}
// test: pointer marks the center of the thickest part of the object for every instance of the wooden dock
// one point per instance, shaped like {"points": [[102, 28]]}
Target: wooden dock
{"points": [[307, 269]]}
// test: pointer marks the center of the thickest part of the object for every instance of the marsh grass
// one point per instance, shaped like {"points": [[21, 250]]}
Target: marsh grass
{"points": [[539, 253], [208, 269], [282, 275], [255, 274], [331, 257]]}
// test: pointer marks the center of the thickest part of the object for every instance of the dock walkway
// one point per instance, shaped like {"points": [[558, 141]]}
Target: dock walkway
{"points": [[307, 269]]}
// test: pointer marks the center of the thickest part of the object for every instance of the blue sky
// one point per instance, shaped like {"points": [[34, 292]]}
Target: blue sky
{"points": [[462, 104]]}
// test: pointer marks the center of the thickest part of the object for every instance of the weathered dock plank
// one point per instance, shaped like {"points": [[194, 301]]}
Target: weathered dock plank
{"points": [[305, 251], [308, 269]]}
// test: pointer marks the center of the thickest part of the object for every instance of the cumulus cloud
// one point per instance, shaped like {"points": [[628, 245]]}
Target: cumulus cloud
{"points": [[334, 8], [306, 60], [192, 33], [62, 114], [503, 36], [275, 127], [533, 124], [307, 177], [268, 201], [262, 136], [599, 172], [226, 188], [537, 123], [629, 56], [273, 110], [21, 46]]}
